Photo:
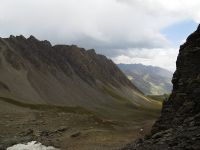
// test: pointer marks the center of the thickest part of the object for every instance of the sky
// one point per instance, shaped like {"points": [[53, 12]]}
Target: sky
{"points": [[127, 31]]}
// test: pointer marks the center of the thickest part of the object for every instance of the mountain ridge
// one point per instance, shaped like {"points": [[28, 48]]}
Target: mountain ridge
{"points": [[151, 80], [36, 72]]}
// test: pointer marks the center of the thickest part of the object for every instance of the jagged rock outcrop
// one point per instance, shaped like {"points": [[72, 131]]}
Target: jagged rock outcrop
{"points": [[35, 72], [178, 127]]}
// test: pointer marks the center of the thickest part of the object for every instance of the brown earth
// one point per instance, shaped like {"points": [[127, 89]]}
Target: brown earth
{"points": [[65, 129]]}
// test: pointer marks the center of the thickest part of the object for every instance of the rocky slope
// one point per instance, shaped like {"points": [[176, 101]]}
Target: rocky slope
{"points": [[65, 128], [178, 128], [35, 72], [150, 80]]}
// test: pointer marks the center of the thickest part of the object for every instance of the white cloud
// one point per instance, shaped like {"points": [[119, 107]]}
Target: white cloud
{"points": [[165, 58], [110, 26]]}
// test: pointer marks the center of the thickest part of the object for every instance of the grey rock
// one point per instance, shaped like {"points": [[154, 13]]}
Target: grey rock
{"points": [[76, 134]]}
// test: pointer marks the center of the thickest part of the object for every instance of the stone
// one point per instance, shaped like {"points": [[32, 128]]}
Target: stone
{"points": [[76, 134], [27, 132], [62, 129]]}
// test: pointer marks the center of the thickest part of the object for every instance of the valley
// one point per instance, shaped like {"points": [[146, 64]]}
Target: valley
{"points": [[99, 75], [150, 80], [68, 128]]}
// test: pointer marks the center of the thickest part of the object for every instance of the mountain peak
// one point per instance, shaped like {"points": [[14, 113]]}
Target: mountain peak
{"points": [[198, 28], [91, 51], [11, 37], [31, 37]]}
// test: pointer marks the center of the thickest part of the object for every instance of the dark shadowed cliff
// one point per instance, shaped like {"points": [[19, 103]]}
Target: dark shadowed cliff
{"points": [[178, 128]]}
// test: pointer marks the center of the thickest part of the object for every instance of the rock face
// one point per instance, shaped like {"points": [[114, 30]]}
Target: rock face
{"points": [[35, 72], [178, 128]]}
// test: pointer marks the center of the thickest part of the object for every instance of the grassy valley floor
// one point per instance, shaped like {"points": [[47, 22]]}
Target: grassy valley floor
{"points": [[70, 129]]}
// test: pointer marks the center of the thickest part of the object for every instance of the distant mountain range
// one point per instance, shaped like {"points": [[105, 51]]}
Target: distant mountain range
{"points": [[35, 72], [149, 79]]}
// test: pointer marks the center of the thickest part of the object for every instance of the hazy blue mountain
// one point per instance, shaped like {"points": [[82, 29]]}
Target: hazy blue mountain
{"points": [[149, 79]]}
